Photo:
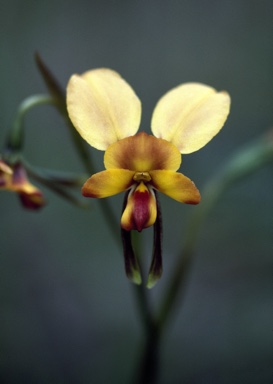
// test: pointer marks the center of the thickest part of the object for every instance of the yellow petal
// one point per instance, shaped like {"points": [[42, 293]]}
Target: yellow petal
{"points": [[108, 183], [140, 211], [142, 153], [176, 186], [103, 107], [5, 168], [190, 115]]}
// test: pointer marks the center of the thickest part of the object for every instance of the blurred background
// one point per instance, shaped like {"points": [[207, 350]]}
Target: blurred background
{"points": [[68, 313]]}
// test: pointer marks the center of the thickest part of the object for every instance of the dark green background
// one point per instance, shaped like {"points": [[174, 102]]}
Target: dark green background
{"points": [[67, 311]]}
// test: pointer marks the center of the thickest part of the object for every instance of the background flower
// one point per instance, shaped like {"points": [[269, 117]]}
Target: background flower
{"points": [[14, 179]]}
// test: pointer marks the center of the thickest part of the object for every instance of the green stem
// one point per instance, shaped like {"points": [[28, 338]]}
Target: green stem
{"points": [[58, 94], [111, 220], [141, 293], [243, 164], [144, 306], [16, 135], [147, 368]]}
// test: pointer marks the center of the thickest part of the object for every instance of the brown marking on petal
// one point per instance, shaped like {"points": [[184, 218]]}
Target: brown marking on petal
{"points": [[194, 200], [32, 201], [142, 153], [3, 181]]}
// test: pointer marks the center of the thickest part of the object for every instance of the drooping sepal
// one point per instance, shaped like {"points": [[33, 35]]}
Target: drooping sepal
{"points": [[131, 264], [156, 269]]}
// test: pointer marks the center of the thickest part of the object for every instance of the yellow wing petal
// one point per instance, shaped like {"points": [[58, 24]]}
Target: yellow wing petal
{"points": [[190, 115], [175, 185], [103, 107], [108, 183]]}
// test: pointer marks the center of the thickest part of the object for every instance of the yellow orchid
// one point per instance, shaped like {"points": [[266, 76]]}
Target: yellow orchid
{"points": [[14, 178], [106, 112]]}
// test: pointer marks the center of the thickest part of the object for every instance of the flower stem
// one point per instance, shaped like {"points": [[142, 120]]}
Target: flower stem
{"points": [[16, 134], [148, 367], [58, 95], [141, 293], [244, 163]]}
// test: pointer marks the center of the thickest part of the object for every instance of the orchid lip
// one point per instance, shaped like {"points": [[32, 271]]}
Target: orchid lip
{"points": [[140, 210]]}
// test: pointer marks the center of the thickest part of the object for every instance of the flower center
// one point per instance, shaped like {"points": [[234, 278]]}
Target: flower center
{"points": [[142, 176]]}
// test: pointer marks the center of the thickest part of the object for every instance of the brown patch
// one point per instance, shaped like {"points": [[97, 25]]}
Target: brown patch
{"points": [[142, 153]]}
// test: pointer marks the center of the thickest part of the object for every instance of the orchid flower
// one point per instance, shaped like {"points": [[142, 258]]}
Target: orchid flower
{"points": [[106, 112], [14, 178]]}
